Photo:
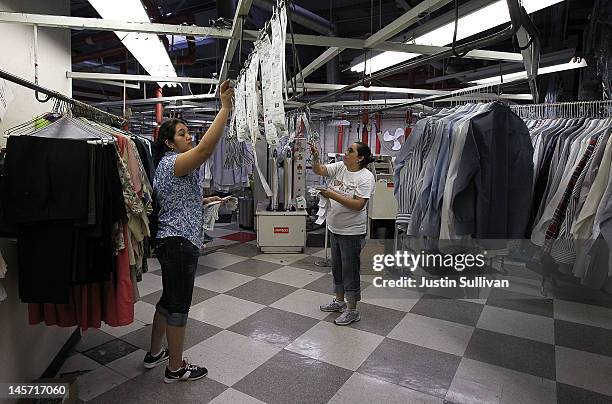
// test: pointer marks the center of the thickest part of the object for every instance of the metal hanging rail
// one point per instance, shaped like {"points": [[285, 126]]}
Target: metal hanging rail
{"points": [[591, 109], [58, 96]]}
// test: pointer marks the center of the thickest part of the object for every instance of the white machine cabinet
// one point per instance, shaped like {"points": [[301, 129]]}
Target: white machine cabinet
{"points": [[383, 204], [280, 232]]}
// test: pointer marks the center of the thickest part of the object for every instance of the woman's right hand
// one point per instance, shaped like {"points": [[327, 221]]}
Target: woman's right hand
{"points": [[314, 151], [227, 95]]}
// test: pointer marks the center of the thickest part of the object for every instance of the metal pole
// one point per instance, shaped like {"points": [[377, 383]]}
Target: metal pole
{"points": [[324, 262], [54, 94]]}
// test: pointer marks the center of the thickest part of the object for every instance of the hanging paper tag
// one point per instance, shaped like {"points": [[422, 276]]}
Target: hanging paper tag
{"points": [[262, 177]]}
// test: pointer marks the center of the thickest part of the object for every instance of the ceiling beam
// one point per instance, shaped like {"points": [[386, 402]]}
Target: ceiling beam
{"points": [[138, 77], [151, 101], [321, 60], [411, 16], [561, 56], [114, 83], [99, 24], [80, 23], [406, 20], [242, 11]]}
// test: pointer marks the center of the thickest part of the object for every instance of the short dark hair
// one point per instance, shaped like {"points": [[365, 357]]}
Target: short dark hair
{"points": [[364, 151], [166, 132]]}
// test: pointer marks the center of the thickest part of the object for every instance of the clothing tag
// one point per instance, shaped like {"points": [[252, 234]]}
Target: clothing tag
{"points": [[262, 177]]}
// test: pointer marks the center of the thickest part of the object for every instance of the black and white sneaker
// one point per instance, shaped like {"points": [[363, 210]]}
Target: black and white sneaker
{"points": [[151, 361], [188, 372]]}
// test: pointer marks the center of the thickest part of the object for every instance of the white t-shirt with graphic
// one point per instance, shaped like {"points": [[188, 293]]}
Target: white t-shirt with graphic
{"points": [[340, 219]]}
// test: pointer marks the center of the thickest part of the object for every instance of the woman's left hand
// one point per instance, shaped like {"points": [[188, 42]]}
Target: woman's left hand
{"points": [[212, 199], [326, 192]]}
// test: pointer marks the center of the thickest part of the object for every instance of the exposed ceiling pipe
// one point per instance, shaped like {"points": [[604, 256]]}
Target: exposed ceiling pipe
{"points": [[302, 16]]}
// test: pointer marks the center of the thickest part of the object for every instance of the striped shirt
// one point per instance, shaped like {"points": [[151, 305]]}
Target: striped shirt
{"points": [[555, 225], [409, 171]]}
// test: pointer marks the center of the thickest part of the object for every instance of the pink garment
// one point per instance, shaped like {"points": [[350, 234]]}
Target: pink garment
{"points": [[133, 166], [87, 302]]}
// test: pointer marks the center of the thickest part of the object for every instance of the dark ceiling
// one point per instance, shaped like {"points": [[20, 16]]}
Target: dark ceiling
{"points": [[561, 27]]}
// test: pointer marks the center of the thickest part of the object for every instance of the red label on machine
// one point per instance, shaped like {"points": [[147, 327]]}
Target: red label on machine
{"points": [[281, 230]]}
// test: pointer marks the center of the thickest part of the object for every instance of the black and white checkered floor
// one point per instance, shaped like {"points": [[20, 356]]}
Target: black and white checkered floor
{"points": [[256, 325]]}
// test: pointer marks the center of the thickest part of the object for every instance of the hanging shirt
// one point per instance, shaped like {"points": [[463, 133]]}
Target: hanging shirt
{"points": [[340, 219], [179, 200]]}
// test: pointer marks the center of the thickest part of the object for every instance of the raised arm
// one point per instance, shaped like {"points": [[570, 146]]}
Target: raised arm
{"points": [[194, 158], [317, 167]]}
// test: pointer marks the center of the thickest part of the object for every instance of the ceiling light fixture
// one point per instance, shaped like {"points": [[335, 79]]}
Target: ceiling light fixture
{"points": [[148, 50], [483, 19], [575, 63]]}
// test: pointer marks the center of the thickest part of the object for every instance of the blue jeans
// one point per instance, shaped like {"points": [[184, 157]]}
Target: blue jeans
{"points": [[345, 252], [179, 260]]}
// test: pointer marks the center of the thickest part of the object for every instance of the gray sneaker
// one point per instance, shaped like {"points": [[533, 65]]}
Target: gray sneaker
{"points": [[347, 317], [333, 306]]}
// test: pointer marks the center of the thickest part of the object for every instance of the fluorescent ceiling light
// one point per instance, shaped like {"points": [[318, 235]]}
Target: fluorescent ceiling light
{"points": [[146, 48], [573, 64], [488, 17]]}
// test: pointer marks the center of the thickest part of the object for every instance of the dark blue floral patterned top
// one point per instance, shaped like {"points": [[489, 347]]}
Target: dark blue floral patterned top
{"points": [[180, 202]]}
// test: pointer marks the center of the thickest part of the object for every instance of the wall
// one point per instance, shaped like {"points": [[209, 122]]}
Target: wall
{"points": [[17, 44], [27, 350]]}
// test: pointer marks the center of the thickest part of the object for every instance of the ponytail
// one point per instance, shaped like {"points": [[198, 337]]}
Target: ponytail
{"points": [[166, 132], [364, 151]]}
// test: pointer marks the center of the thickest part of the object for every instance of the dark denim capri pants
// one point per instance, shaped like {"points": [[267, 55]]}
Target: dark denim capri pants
{"points": [[179, 260]]}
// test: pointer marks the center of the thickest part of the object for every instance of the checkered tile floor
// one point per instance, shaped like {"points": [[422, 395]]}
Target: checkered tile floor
{"points": [[256, 325]]}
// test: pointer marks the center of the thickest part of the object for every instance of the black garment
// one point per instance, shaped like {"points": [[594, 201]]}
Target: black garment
{"points": [[94, 259], [493, 190], [541, 182], [49, 179], [45, 179], [145, 157], [6, 230], [44, 258]]}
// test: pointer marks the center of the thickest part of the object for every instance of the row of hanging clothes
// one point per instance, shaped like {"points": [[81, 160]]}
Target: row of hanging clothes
{"points": [[465, 173], [76, 190], [571, 215]]}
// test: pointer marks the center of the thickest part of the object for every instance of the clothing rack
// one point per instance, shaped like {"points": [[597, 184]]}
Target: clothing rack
{"points": [[600, 109], [589, 109], [82, 107]]}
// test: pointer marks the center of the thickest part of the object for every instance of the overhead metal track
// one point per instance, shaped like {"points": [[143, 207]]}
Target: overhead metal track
{"points": [[406, 20], [400, 101], [321, 60], [395, 90], [475, 74], [242, 11], [460, 49], [150, 101], [114, 83], [138, 77], [99, 24]]}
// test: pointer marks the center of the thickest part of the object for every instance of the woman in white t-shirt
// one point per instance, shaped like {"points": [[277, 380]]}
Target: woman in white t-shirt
{"points": [[350, 187]]}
